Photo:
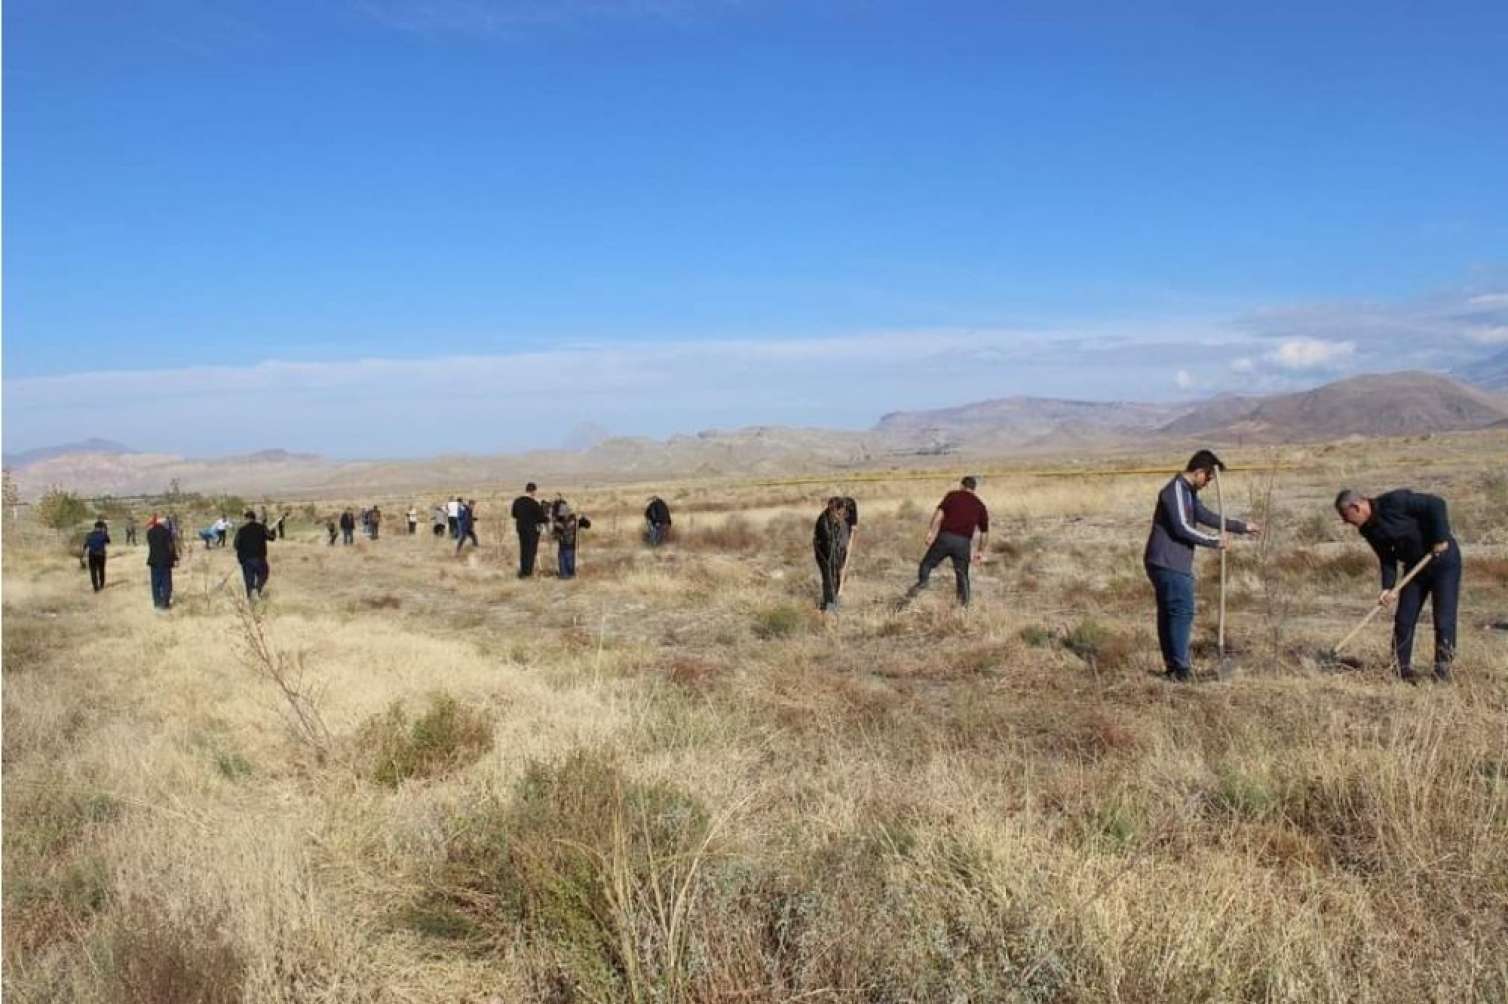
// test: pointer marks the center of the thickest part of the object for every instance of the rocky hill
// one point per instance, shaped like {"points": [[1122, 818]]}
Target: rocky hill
{"points": [[1386, 404]]}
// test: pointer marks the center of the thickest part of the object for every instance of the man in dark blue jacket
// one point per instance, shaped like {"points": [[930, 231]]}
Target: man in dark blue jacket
{"points": [[1169, 557], [95, 546], [1403, 526]]}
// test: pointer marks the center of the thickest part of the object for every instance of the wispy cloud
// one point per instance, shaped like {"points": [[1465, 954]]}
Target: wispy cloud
{"points": [[492, 402], [518, 400], [1311, 354]]}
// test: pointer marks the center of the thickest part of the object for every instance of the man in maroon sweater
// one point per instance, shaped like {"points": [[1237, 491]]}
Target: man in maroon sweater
{"points": [[958, 531]]}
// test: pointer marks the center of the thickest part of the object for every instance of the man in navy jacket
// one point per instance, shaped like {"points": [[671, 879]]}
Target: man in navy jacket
{"points": [[1169, 557], [1403, 526]]}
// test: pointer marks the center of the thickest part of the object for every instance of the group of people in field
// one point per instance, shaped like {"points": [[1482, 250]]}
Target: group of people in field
{"points": [[1405, 529]]}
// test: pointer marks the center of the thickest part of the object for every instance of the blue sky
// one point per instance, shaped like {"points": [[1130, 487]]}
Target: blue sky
{"points": [[372, 227]]}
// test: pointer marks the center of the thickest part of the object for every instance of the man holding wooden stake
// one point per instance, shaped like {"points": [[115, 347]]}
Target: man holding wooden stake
{"points": [[1169, 556], [1407, 526]]}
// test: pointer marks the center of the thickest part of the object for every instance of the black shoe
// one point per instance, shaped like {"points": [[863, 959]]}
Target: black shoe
{"points": [[1179, 676], [1442, 674], [1409, 677]]}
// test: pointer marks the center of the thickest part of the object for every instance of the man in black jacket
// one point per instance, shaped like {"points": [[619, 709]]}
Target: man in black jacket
{"points": [[528, 517], [1404, 526], [347, 527], [251, 552], [830, 539], [656, 521], [162, 555]]}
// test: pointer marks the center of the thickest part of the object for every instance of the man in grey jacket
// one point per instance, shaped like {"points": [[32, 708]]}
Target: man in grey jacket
{"points": [[1169, 557]]}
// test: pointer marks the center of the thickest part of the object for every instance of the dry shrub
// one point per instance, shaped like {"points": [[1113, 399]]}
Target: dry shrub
{"points": [[1099, 646], [154, 957], [47, 901], [448, 736], [382, 601], [26, 644], [1348, 564], [597, 872], [1492, 570], [880, 914], [736, 533], [692, 672]]}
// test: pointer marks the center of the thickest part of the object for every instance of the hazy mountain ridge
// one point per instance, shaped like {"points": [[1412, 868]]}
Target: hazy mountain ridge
{"points": [[1392, 404], [1488, 374]]}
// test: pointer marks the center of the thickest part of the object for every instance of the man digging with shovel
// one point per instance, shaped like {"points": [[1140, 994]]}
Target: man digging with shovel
{"points": [[1169, 557], [1412, 528]]}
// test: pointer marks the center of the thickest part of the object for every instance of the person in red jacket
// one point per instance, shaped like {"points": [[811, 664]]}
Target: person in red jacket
{"points": [[959, 530]]}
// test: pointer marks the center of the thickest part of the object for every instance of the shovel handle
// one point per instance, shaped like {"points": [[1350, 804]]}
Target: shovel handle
{"points": [[1373, 612], [1224, 540]]}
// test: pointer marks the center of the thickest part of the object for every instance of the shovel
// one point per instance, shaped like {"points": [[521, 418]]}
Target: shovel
{"points": [[1333, 656], [1225, 667]]}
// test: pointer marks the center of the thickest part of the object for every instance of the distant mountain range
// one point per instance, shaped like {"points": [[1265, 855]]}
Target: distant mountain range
{"points": [[25, 458], [1489, 374], [1390, 404]]}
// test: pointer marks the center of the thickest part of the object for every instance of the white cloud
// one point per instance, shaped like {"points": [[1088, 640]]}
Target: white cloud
{"points": [[1489, 300], [1183, 379], [1243, 364], [1495, 335], [1311, 353]]}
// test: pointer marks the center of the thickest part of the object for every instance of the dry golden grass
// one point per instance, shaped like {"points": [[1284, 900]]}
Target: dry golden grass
{"points": [[673, 780]]}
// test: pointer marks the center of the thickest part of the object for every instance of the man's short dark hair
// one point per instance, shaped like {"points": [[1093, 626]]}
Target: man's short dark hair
{"points": [[970, 482], [1205, 460], [99, 524], [1345, 498], [530, 487], [249, 514]]}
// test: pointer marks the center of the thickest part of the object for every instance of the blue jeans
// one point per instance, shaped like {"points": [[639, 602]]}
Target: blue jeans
{"points": [[1175, 615], [567, 562], [255, 572], [162, 586]]}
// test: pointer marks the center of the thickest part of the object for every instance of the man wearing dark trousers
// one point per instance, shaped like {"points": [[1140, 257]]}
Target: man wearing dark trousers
{"points": [[94, 549], [656, 521], [952, 534], [1402, 527], [347, 527], [251, 552], [466, 526], [1169, 556], [830, 547], [162, 555], [528, 517]]}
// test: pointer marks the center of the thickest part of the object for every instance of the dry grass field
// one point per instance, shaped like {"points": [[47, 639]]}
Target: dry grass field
{"points": [[411, 777]]}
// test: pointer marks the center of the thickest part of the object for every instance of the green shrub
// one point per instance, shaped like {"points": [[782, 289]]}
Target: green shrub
{"points": [[447, 736], [777, 622], [1098, 645], [60, 510], [232, 765], [1241, 794], [1036, 636]]}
